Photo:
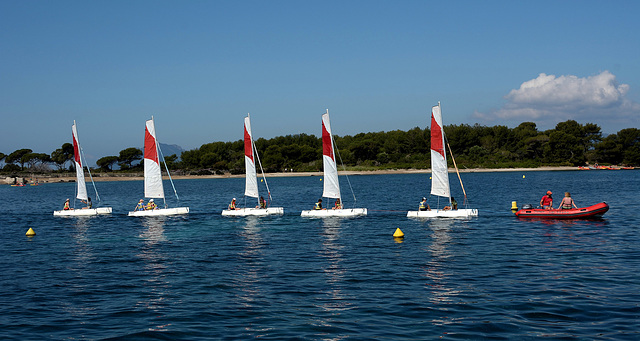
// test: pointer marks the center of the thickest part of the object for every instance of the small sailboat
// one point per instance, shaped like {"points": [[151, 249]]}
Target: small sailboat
{"points": [[440, 175], [153, 176], [81, 187], [251, 180], [331, 183]]}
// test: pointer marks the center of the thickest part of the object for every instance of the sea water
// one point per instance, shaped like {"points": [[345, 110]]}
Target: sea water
{"points": [[203, 276]]}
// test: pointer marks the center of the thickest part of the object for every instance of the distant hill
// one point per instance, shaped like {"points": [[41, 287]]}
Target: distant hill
{"points": [[170, 149]]}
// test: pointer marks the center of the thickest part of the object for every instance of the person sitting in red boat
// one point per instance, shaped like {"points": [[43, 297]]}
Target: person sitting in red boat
{"points": [[567, 202], [547, 201]]}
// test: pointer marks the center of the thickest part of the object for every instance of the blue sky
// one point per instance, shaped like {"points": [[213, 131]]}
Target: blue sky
{"points": [[200, 66]]}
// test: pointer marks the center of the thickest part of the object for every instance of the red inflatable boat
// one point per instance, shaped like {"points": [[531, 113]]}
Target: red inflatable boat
{"points": [[594, 211]]}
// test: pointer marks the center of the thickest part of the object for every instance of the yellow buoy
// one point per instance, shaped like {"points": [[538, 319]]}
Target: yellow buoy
{"points": [[523, 176], [31, 233], [398, 233], [261, 180], [514, 206], [320, 179]]}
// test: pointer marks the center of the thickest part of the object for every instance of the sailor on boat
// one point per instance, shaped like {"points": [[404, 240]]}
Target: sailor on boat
{"points": [[567, 202], [66, 205], [88, 202], [337, 205], [151, 205], [232, 205], [318, 205], [140, 205], [547, 201], [263, 203], [424, 206]]}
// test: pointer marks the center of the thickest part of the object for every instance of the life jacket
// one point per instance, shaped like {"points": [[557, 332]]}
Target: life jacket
{"points": [[565, 205], [232, 206], [318, 206], [151, 206], [66, 206], [139, 207], [422, 205]]}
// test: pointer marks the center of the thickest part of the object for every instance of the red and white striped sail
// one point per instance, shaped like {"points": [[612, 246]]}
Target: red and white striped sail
{"points": [[439, 170], [251, 182], [331, 184], [152, 173], [82, 187]]}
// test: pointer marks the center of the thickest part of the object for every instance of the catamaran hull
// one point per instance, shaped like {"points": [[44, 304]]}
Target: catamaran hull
{"points": [[160, 212], [345, 212], [82, 212], [241, 212], [462, 213], [594, 211]]}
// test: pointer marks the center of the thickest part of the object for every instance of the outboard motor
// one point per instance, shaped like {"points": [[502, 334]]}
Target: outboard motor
{"points": [[527, 206]]}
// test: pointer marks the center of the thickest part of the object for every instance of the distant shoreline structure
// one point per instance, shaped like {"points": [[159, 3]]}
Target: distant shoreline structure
{"points": [[47, 178]]}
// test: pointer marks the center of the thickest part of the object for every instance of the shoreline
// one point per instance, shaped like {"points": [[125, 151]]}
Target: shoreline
{"points": [[100, 177]]}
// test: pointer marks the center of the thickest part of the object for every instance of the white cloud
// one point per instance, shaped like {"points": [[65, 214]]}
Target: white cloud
{"points": [[548, 99]]}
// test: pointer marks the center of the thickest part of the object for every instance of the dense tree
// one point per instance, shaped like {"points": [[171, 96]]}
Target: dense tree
{"points": [[170, 161], [16, 156], [128, 156], [569, 143], [34, 158], [106, 163], [2, 156], [629, 140], [62, 155]]}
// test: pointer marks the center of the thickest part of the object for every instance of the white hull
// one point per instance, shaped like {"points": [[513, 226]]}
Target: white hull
{"points": [[345, 212], [160, 212], [82, 212], [462, 213], [241, 212]]}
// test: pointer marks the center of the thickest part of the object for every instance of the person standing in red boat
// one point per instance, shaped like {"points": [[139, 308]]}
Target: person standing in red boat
{"points": [[567, 202], [547, 201]]}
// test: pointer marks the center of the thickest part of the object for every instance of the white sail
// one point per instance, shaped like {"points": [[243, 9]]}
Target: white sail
{"points": [[439, 169], [251, 182], [152, 173], [81, 184], [82, 187], [440, 175], [331, 184]]}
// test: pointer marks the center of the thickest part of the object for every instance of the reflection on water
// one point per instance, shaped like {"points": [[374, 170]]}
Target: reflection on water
{"points": [[336, 300], [437, 268], [248, 278], [157, 286], [82, 257], [82, 252]]}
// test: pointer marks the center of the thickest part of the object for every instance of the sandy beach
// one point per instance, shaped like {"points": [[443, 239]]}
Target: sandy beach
{"points": [[133, 177]]}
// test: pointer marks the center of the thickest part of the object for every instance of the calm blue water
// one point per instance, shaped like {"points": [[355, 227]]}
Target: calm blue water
{"points": [[203, 276]]}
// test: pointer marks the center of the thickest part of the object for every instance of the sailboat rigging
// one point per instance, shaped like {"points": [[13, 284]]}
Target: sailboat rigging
{"points": [[251, 180], [331, 188], [81, 187], [153, 187], [440, 175]]}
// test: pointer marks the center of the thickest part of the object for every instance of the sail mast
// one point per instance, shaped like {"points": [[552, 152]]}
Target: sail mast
{"points": [[331, 184], [152, 174], [257, 157], [439, 169], [81, 191]]}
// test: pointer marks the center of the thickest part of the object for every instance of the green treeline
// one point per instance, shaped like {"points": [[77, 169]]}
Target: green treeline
{"points": [[474, 146], [568, 144]]}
